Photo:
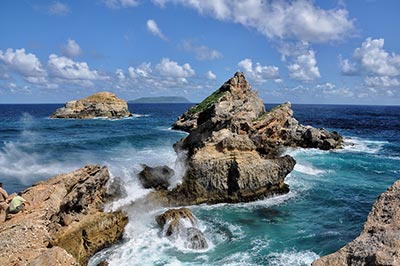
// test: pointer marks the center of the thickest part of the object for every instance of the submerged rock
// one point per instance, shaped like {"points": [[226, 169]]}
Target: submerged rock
{"points": [[379, 242], [64, 224], [101, 104], [156, 177], [182, 224]]}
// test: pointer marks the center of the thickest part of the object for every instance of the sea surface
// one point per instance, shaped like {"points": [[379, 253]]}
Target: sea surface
{"points": [[331, 191]]}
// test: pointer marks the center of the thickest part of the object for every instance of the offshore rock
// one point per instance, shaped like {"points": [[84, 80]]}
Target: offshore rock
{"points": [[156, 177], [181, 223], [64, 224], [379, 242], [101, 104], [233, 150]]}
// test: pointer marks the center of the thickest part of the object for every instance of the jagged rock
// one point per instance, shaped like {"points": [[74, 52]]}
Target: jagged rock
{"points": [[64, 221], [181, 223], [379, 242], [101, 104], [116, 188], [156, 177], [234, 146]]}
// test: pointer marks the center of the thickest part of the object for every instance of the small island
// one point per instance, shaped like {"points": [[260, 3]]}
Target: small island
{"points": [[161, 99], [101, 104]]}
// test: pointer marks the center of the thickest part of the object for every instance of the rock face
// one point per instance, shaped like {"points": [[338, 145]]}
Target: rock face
{"points": [[156, 177], [234, 145], [181, 223], [64, 223], [379, 242], [101, 104]]}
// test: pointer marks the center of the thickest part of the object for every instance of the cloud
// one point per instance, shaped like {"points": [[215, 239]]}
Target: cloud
{"points": [[26, 64], [170, 68], [380, 68], [155, 30], [210, 75], [71, 49], [65, 68], [375, 60], [258, 73], [117, 4], [201, 52], [58, 9], [143, 70], [304, 67], [298, 20]]}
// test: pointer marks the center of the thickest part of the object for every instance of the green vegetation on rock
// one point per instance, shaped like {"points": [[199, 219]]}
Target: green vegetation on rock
{"points": [[207, 102]]}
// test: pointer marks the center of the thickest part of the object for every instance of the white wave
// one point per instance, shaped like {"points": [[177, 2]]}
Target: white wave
{"points": [[309, 170], [293, 258], [355, 144]]}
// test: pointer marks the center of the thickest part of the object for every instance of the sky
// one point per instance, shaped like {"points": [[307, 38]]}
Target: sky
{"points": [[314, 52]]}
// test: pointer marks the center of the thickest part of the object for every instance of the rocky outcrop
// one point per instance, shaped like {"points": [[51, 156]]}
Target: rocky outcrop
{"points": [[233, 150], [182, 224], [101, 104], [379, 242], [64, 223], [156, 177]]}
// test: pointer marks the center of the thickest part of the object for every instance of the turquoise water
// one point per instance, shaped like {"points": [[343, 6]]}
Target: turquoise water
{"points": [[331, 192]]}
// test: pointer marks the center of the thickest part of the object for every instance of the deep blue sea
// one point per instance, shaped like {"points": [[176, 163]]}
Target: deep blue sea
{"points": [[331, 191]]}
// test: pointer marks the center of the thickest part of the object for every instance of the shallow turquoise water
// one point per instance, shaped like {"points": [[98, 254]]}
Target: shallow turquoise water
{"points": [[331, 192]]}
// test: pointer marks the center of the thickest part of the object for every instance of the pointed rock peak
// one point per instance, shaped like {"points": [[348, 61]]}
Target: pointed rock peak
{"points": [[237, 84]]}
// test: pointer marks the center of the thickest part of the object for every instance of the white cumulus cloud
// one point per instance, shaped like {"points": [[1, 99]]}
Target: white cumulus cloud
{"points": [[283, 19], [171, 68], [65, 68], [143, 70], [71, 49], [258, 73], [155, 30], [304, 67], [26, 64]]}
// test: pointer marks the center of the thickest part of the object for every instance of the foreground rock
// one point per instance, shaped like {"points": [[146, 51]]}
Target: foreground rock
{"points": [[182, 224], [379, 242], [101, 104], [233, 150], [64, 223]]}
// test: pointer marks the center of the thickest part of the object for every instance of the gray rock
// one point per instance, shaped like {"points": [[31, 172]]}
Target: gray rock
{"points": [[156, 177]]}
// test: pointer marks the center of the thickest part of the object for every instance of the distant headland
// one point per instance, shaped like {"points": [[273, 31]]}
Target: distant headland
{"points": [[161, 99]]}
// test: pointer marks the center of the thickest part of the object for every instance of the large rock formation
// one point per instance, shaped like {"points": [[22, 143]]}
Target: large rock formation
{"points": [[64, 223], [234, 145], [101, 104], [379, 242]]}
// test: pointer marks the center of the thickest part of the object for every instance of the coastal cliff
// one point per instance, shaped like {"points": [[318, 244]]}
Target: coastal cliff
{"points": [[233, 150], [379, 241], [101, 104], [65, 223]]}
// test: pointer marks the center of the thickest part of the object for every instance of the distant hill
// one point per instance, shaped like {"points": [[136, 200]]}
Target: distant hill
{"points": [[161, 99]]}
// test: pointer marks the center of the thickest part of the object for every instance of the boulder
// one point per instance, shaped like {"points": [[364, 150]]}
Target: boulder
{"points": [[156, 177], [379, 241], [182, 224], [101, 104], [65, 221]]}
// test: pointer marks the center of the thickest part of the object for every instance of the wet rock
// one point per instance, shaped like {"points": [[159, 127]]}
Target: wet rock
{"points": [[181, 224], [379, 241], [116, 188], [101, 104], [156, 177]]}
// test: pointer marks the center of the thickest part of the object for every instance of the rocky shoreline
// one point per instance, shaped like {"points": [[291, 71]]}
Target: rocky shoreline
{"points": [[65, 223]]}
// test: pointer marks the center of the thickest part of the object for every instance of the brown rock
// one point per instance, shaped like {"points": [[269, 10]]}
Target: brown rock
{"points": [[101, 104], [379, 242], [65, 220]]}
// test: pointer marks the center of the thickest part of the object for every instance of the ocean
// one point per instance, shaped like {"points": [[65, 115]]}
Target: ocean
{"points": [[331, 191]]}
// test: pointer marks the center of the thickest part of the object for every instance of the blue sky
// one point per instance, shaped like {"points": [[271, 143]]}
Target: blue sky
{"points": [[336, 52]]}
